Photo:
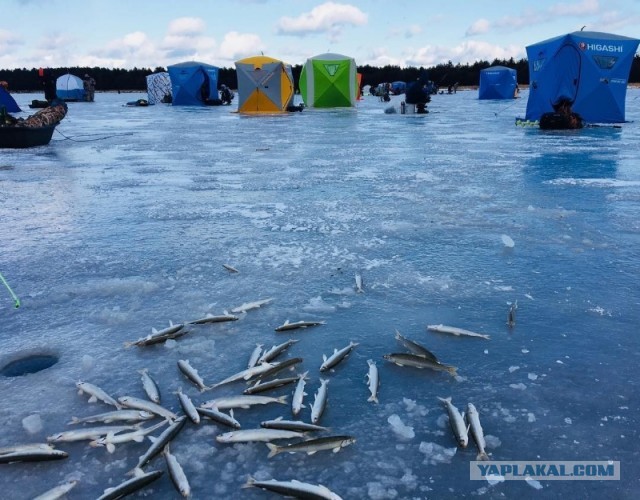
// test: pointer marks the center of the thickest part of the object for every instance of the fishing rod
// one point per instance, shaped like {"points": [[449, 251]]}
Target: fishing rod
{"points": [[505, 108], [13, 295]]}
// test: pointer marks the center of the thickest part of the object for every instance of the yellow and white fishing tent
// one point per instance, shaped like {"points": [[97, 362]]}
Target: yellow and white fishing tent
{"points": [[265, 85]]}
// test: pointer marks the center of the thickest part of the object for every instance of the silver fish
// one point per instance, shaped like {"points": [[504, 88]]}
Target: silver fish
{"points": [[359, 288], [294, 488], [158, 444], [311, 446], [456, 331], [272, 353], [89, 433], [58, 492], [229, 268], [150, 387], [178, 477], [267, 386], [255, 356], [457, 423], [416, 348], [260, 434], [373, 381], [218, 416], [403, 359], [150, 406], [511, 316], [225, 403], [210, 318], [278, 367], [299, 324], [292, 425], [157, 337], [111, 439], [115, 416], [299, 394], [247, 306], [320, 401], [246, 374], [473, 419], [36, 452], [336, 357], [96, 394], [188, 407], [132, 485], [192, 374]]}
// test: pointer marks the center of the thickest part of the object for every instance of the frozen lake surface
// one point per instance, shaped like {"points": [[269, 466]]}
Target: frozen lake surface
{"points": [[125, 222]]}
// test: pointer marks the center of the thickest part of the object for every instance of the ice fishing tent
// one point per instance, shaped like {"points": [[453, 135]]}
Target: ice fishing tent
{"points": [[265, 85], [158, 87], [7, 102], [193, 83], [329, 81], [589, 68], [497, 82], [398, 87], [70, 88]]}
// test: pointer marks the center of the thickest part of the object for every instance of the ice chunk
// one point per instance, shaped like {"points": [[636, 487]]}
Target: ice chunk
{"points": [[377, 491], [494, 479], [32, 424], [508, 242], [318, 305], [400, 429], [568, 421], [531, 417], [513, 368], [519, 386], [532, 376], [533, 483], [492, 441], [436, 454]]}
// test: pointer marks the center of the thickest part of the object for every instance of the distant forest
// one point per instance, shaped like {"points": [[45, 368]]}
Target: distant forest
{"points": [[114, 79]]}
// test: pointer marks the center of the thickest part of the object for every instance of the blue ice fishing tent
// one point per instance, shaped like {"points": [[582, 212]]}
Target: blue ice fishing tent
{"points": [[70, 88], [193, 83], [589, 68], [8, 102], [498, 82], [398, 87]]}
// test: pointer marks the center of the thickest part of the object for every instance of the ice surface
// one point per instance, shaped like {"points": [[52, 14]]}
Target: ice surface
{"points": [[126, 226], [403, 431]]}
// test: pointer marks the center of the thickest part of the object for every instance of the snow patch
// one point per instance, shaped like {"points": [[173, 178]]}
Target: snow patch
{"points": [[400, 429]]}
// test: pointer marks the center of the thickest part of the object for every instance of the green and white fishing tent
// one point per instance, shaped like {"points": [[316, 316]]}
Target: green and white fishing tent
{"points": [[329, 81]]}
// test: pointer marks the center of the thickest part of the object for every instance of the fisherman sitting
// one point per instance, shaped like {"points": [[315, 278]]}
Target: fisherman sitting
{"points": [[562, 117], [226, 96]]}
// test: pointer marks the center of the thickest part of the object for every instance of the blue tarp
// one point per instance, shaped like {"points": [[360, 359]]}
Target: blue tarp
{"points": [[498, 82], [398, 87], [589, 68], [9, 103], [192, 83]]}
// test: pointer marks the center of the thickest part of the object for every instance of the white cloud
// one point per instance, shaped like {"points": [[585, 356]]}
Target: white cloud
{"points": [[466, 52], [584, 8], [186, 26], [478, 27], [236, 46], [328, 18]]}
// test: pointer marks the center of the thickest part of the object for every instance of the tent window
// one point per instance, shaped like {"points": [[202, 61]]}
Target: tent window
{"points": [[605, 62], [537, 64]]}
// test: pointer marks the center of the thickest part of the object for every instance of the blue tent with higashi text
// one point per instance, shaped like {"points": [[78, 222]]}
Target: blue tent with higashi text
{"points": [[498, 82], [590, 69], [193, 83]]}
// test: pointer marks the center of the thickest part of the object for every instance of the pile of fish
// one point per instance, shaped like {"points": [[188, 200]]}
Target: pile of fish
{"points": [[135, 419]]}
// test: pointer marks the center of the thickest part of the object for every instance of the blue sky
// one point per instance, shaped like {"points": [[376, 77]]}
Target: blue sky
{"points": [[144, 33]]}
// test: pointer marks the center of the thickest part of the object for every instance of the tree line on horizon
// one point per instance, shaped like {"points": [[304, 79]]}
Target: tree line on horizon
{"points": [[117, 79]]}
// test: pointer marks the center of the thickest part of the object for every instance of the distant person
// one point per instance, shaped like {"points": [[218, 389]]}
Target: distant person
{"points": [[226, 96], [416, 94], [48, 82], [89, 88]]}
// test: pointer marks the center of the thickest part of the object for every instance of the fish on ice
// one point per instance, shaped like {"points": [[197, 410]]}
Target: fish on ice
{"points": [[359, 288], [150, 387], [298, 324], [473, 419], [176, 472], [114, 416], [247, 306], [159, 443], [220, 417], [299, 394], [260, 434], [36, 452], [96, 394], [311, 446], [157, 337], [210, 318], [404, 359], [320, 401], [457, 423], [224, 403], [139, 481], [150, 406], [456, 331], [276, 350], [373, 381], [292, 425], [416, 348], [192, 374], [336, 357], [294, 489]]}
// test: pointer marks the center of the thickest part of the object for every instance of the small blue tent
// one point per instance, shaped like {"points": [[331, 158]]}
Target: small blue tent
{"points": [[8, 102], [193, 83], [398, 87], [498, 82], [589, 68], [70, 88]]}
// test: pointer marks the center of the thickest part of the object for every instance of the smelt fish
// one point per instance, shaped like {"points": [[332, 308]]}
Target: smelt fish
{"points": [[96, 394], [299, 324], [311, 446], [403, 359], [457, 423], [294, 489], [138, 482], [456, 331], [336, 357], [373, 381]]}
